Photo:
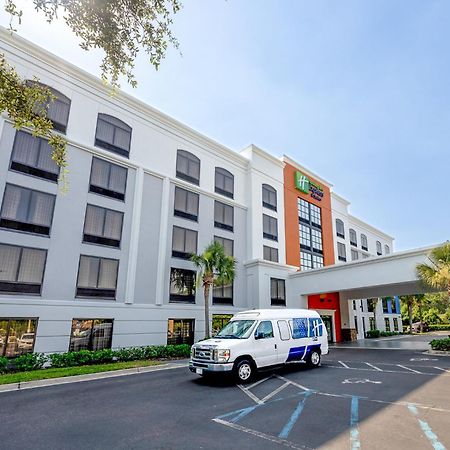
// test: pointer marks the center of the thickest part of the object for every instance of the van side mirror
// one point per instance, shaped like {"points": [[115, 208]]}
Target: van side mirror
{"points": [[259, 335]]}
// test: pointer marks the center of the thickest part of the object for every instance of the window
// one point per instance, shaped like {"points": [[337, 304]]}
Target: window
{"points": [[180, 331], [277, 292], [299, 328], [387, 250], [223, 295], [317, 261], [371, 304], [57, 109], [227, 244], [342, 254], [90, 334], [184, 242], [186, 204], [97, 277], [182, 285], [353, 238], [355, 255], [372, 325], [103, 226], [270, 228], [223, 216], [270, 253], [33, 156], [108, 179], [340, 231], [395, 324], [379, 248], [113, 134], [264, 330], [17, 336], [27, 210], [219, 321], [224, 182], [269, 197], [310, 234], [387, 324], [364, 255], [21, 269], [305, 260], [364, 245], [188, 167], [315, 327], [394, 303], [283, 328]]}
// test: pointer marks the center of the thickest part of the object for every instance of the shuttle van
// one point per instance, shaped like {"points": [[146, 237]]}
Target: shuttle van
{"points": [[259, 339]]}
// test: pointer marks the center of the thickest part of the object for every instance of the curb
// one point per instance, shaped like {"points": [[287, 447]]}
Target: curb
{"points": [[437, 353], [88, 377]]}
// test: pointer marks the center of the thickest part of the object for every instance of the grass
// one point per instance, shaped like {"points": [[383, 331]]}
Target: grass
{"points": [[44, 374]]}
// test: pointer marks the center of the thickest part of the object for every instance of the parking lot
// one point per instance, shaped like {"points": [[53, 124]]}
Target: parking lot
{"points": [[359, 398]]}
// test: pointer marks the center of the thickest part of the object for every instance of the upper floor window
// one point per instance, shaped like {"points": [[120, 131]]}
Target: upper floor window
{"points": [[113, 134], [270, 253], [277, 292], [340, 231], [97, 277], [21, 269], [188, 167], [353, 238], [355, 255], [186, 204], [223, 216], [223, 294], [364, 244], [184, 242], [227, 244], [103, 226], [270, 228], [33, 156], [17, 336], [387, 250], [379, 248], [224, 182], [342, 254], [27, 210], [58, 109], [108, 179], [269, 197], [182, 285]]}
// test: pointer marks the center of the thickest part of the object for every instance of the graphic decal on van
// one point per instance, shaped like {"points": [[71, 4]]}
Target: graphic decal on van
{"points": [[300, 353]]}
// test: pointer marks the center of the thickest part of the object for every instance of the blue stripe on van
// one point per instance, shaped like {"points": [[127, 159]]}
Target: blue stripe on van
{"points": [[298, 353]]}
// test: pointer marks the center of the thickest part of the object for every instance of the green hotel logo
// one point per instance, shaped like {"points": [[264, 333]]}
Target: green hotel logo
{"points": [[302, 182]]}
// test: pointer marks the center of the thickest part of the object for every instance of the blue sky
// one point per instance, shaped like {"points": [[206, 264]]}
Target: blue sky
{"points": [[358, 91]]}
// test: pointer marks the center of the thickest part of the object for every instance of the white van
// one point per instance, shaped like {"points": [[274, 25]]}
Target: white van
{"points": [[262, 338]]}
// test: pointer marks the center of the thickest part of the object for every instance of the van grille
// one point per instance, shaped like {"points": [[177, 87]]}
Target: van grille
{"points": [[203, 354]]}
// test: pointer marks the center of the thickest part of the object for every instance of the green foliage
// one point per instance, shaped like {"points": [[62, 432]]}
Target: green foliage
{"points": [[29, 361], [434, 308], [388, 333], [3, 364], [373, 334], [440, 327], [121, 28], [440, 344]]}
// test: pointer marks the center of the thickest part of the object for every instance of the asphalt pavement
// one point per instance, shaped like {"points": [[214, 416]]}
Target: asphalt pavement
{"points": [[357, 399]]}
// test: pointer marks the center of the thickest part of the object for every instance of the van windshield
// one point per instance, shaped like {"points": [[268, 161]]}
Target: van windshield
{"points": [[236, 329]]}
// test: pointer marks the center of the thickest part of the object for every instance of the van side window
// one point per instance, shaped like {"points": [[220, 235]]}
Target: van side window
{"points": [[264, 330], [315, 327], [284, 330], [299, 328]]}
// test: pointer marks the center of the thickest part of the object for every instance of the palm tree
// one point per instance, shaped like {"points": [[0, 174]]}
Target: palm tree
{"points": [[410, 301], [215, 268], [436, 274]]}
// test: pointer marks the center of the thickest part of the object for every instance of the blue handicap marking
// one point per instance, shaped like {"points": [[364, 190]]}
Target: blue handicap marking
{"points": [[426, 429], [354, 419], [294, 417]]}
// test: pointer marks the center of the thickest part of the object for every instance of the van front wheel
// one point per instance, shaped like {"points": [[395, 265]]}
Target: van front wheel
{"points": [[314, 359], [244, 371]]}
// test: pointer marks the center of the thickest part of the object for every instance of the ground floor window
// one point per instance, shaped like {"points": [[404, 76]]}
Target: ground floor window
{"points": [[395, 324], [17, 336], [90, 334], [372, 325], [223, 294], [277, 292], [180, 331], [219, 321], [387, 324]]}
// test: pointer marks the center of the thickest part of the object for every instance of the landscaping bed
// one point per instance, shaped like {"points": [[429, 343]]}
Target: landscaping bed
{"points": [[442, 345]]}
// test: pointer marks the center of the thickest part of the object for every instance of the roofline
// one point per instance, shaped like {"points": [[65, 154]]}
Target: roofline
{"points": [[370, 227], [59, 64], [264, 154], [340, 198], [307, 171]]}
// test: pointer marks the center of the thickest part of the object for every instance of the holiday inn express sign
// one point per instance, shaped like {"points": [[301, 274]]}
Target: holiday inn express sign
{"points": [[305, 185]]}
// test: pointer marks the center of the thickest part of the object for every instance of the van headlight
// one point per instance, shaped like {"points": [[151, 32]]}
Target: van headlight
{"points": [[221, 356], [192, 352]]}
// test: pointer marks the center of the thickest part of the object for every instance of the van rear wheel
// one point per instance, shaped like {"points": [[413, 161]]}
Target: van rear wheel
{"points": [[244, 371], [314, 359]]}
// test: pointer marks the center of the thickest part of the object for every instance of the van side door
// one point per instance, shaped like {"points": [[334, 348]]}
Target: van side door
{"points": [[285, 340], [300, 339], [265, 351]]}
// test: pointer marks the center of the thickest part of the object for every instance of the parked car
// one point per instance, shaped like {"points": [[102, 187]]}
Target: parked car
{"points": [[260, 339], [26, 341], [416, 327]]}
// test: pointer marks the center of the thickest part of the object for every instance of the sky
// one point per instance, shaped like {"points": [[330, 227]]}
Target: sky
{"points": [[356, 91]]}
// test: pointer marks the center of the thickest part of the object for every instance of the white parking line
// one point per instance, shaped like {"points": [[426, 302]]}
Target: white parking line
{"points": [[275, 392], [293, 383], [374, 367], [440, 368], [250, 394], [343, 364], [407, 368], [258, 382]]}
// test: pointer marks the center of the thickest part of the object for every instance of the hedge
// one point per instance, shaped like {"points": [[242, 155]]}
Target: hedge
{"points": [[440, 327], [34, 361], [378, 333], [441, 344]]}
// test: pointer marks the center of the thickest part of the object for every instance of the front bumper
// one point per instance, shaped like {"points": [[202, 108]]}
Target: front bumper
{"points": [[209, 367]]}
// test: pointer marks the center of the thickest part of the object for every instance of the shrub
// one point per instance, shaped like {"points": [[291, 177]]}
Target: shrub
{"points": [[440, 344], [3, 364], [29, 361], [373, 334], [440, 327], [71, 359], [388, 333]]}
